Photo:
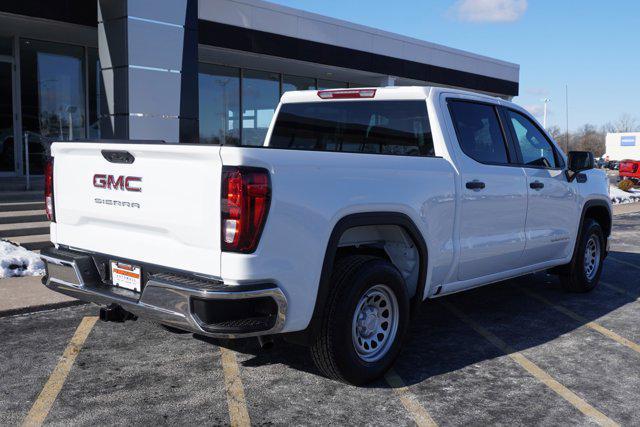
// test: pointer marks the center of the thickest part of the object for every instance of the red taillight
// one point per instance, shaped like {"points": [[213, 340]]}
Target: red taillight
{"points": [[347, 93], [48, 190], [246, 195]]}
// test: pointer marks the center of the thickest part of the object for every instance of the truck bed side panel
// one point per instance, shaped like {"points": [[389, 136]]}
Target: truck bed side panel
{"points": [[313, 190]]}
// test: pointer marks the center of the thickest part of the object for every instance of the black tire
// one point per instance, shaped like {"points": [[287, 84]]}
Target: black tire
{"points": [[333, 350], [574, 277]]}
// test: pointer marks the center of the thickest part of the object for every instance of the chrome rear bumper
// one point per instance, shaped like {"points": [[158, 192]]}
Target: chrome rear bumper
{"points": [[168, 298]]}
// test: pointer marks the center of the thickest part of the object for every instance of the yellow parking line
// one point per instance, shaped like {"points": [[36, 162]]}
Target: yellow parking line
{"points": [[618, 289], [238, 413], [591, 325], [51, 389], [542, 376], [408, 400], [623, 262]]}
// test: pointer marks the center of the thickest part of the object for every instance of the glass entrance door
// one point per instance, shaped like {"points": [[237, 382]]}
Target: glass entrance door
{"points": [[52, 93], [8, 147]]}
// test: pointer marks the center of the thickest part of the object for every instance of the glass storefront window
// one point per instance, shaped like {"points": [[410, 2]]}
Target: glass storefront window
{"points": [[260, 96], [297, 83], [53, 96], [6, 46], [7, 143], [331, 84], [96, 89], [219, 99]]}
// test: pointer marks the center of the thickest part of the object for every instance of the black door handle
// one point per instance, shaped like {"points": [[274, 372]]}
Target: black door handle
{"points": [[475, 185], [536, 185]]}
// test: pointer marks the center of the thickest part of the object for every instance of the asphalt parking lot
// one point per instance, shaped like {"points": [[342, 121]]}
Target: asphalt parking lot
{"points": [[520, 352]]}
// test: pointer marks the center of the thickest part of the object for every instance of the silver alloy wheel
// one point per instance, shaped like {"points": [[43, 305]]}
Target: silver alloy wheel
{"points": [[592, 257], [375, 323]]}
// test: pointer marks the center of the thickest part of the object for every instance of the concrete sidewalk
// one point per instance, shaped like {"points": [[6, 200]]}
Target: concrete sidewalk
{"points": [[626, 208], [27, 294]]}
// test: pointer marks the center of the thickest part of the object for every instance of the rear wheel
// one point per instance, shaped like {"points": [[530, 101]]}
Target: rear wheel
{"points": [[583, 273], [364, 321]]}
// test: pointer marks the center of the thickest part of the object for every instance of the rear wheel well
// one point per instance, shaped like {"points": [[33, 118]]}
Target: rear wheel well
{"points": [[390, 242], [352, 235]]}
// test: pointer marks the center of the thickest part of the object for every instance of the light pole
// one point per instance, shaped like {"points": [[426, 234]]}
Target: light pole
{"points": [[566, 103], [544, 117]]}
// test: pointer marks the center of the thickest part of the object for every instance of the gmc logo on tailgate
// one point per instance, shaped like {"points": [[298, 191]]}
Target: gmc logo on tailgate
{"points": [[110, 182]]}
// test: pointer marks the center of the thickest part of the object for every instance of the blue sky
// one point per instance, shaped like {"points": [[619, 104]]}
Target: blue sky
{"points": [[593, 46]]}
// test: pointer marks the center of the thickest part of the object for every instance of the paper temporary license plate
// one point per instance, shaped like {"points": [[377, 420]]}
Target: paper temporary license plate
{"points": [[126, 276]]}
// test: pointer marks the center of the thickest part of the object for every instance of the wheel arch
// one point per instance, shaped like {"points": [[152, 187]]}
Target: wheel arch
{"points": [[358, 220], [601, 212]]}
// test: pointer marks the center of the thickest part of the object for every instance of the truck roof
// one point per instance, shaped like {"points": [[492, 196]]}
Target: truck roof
{"points": [[381, 93]]}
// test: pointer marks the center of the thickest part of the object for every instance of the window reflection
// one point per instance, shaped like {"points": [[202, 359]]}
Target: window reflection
{"points": [[96, 90], [535, 148], [331, 84], [53, 97], [221, 89], [260, 96], [290, 83], [6, 46], [7, 143], [219, 99]]}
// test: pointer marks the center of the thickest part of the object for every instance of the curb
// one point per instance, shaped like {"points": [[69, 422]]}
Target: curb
{"points": [[39, 308], [626, 208]]}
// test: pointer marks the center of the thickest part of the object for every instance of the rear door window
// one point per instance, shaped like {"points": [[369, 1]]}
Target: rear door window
{"points": [[375, 127], [479, 131]]}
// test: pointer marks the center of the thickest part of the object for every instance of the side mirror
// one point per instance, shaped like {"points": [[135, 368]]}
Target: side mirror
{"points": [[580, 161]]}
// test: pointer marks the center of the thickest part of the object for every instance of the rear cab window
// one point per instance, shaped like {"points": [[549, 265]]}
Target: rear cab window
{"points": [[372, 127]]}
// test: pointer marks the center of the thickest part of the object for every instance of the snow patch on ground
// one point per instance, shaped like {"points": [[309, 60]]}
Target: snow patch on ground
{"points": [[618, 196], [16, 261]]}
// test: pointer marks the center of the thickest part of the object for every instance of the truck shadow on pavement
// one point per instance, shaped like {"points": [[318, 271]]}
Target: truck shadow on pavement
{"points": [[440, 342]]}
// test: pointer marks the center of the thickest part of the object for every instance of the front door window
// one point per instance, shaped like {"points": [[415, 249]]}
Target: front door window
{"points": [[535, 148]]}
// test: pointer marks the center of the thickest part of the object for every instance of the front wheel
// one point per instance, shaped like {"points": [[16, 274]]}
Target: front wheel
{"points": [[583, 273], [364, 321]]}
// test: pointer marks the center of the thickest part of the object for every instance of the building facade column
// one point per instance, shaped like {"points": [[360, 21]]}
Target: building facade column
{"points": [[149, 60]]}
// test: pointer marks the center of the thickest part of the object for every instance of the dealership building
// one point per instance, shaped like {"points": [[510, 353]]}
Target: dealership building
{"points": [[208, 71], [622, 146]]}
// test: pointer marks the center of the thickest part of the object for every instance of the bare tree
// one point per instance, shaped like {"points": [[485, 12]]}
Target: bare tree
{"points": [[588, 138], [608, 128], [555, 133], [559, 137], [626, 123]]}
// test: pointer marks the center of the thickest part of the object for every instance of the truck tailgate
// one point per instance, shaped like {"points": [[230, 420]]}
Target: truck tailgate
{"points": [[164, 208]]}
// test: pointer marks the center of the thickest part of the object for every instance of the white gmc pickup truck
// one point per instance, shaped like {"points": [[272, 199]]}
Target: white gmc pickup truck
{"points": [[361, 204]]}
